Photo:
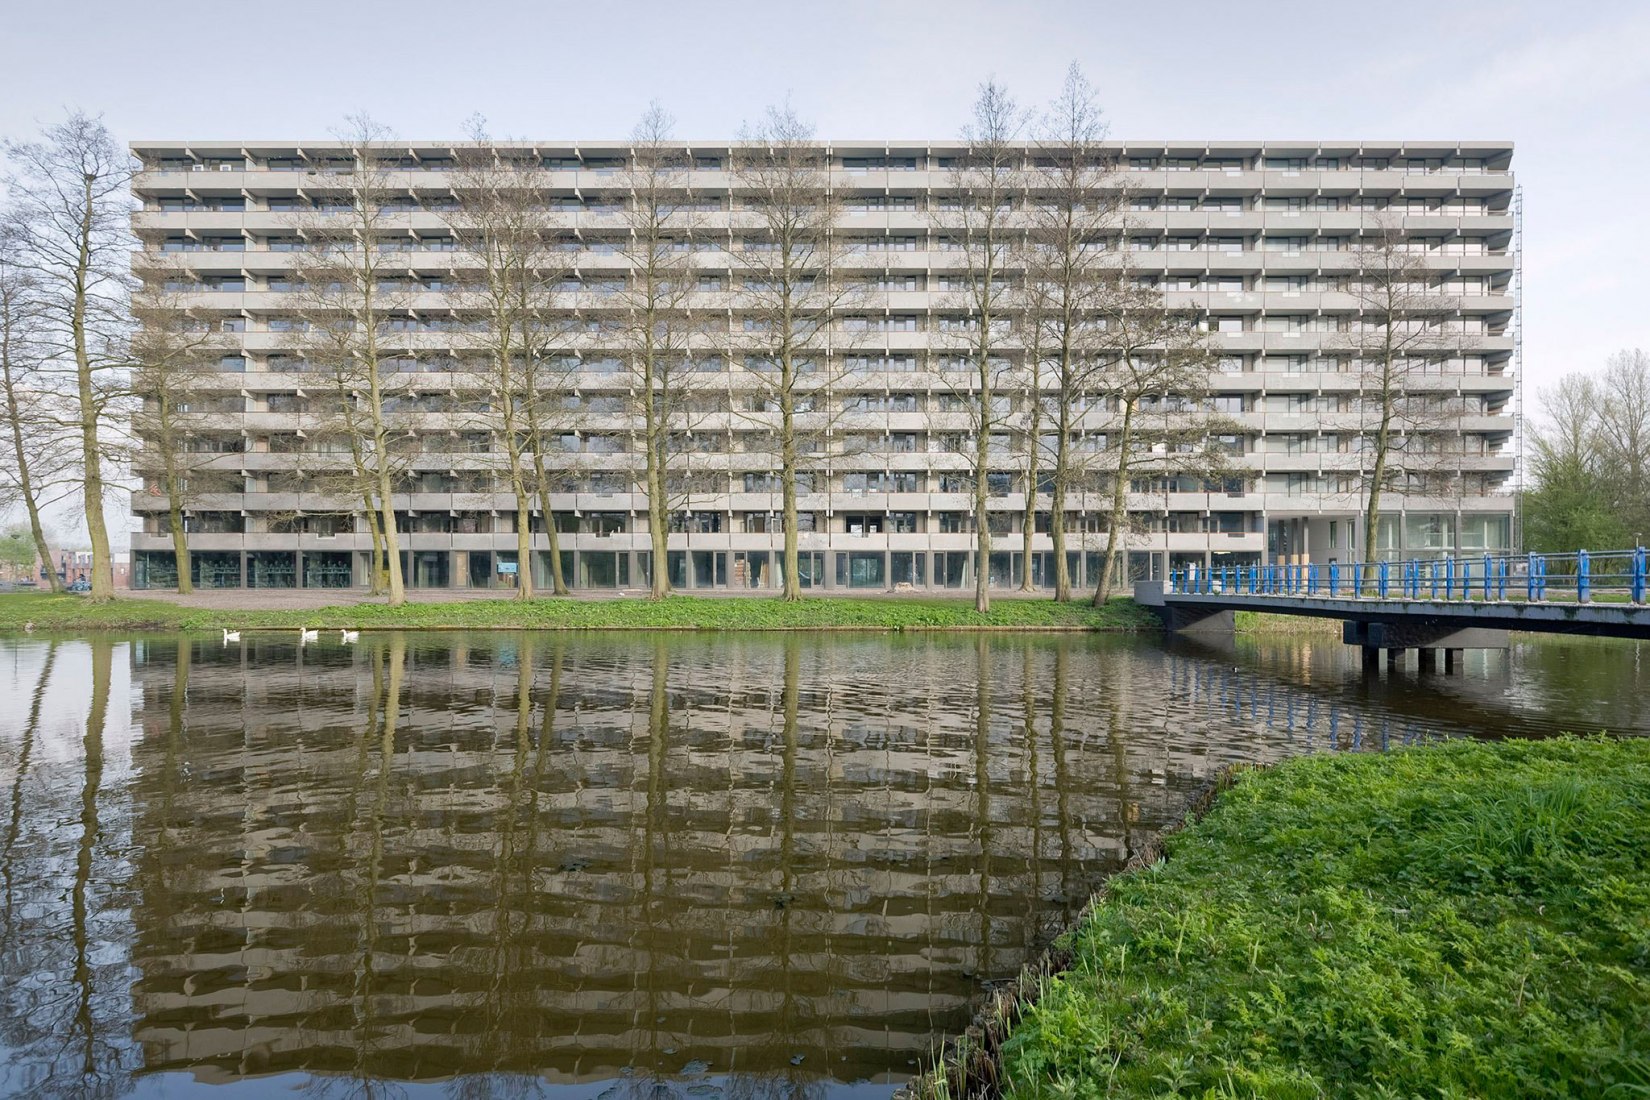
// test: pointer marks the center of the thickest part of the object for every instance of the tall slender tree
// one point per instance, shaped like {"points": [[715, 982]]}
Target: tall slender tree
{"points": [[71, 214], [35, 441], [653, 317], [1154, 372], [1397, 326], [791, 263], [350, 286], [501, 223], [1076, 199], [177, 398], [988, 234]]}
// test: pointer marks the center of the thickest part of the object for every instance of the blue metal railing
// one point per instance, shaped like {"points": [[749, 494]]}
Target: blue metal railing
{"points": [[1612, 576]]}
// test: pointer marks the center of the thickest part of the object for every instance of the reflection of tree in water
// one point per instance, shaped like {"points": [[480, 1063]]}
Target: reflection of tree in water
{"points": [[502, 1042], [64, 1012], [14, 818], [728, 854]]}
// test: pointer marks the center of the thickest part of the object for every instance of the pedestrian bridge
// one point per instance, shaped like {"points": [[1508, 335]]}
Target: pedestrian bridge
{"points": [[1447, 604]]}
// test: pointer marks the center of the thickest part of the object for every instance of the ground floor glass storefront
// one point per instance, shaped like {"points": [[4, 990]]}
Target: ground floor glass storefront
{"points": [[687, 570]]}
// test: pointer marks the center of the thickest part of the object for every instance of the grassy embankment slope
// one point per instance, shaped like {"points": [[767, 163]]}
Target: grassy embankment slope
{"points": [[1464, 920], [76, 614]]}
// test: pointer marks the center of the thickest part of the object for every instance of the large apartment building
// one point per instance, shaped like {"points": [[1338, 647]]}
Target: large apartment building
{"points": [[1261, 238]]}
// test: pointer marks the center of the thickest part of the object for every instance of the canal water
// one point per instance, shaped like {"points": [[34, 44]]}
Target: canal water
{"points": [[616, 866]]}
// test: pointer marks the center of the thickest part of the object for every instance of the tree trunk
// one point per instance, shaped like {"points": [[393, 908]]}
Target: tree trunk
{"points": [[392, 540], [91, 453], [1029, 521], [180, 542], [658, 526], [375, 567], [1057, 503], [658, 518], [1383, 441], [25, 487], [787, 485], [524, 534], [1114, 522], [982, 526], [1057, 535], [558, 583]]}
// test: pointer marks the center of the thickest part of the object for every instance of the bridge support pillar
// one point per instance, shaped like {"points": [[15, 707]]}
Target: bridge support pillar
{"points": [[1452, 661], [1394, 658], [1426, 659], [1421, 635], [1185, 620], [1372, 659]]}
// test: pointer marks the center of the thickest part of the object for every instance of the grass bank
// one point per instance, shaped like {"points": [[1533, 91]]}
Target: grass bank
{"points": [[1265, 622], [1465, 920], [74, 614]]}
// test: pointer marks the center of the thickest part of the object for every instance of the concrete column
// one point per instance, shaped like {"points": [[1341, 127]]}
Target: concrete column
{"points": [[1426, 659], [1394, 658], [1452, 661]]}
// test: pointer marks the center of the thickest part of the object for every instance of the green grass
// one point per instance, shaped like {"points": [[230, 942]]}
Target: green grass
{"points": [[1265, 622], [75, 614], [1466, 920]]}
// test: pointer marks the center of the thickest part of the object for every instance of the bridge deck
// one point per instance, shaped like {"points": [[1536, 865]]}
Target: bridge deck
{"points": [[1614, 620]]}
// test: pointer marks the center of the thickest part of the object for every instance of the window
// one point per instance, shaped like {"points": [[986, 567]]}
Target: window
{"points": [[868, 164], [703, 523]]}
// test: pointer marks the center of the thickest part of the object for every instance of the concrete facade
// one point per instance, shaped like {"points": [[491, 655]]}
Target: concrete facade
{"points": [[1256, 236]]}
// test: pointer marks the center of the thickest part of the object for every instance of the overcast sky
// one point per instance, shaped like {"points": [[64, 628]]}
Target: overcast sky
{"points": [[1569, 82]]}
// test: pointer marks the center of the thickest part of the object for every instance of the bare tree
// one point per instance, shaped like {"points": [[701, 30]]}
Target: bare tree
{"points": [[654, 319], [1624, 434], [502, 222], [793, 288], [350, 288], [1397, 324], [38, 447], [1569, 504], [986, 181], [1075, 199], [1587, 460], [1154, 367], [72, 210], [174, 372]]}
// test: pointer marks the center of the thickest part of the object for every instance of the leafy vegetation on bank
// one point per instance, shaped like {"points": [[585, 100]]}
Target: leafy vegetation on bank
{"points": [[1265, 622], [1463, 920], [71, 613]]}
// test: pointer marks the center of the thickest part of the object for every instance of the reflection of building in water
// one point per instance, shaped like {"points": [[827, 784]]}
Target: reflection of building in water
{"points": [[545, 858], [416, 859]]}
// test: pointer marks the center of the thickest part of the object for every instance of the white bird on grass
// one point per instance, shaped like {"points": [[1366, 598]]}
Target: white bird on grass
{"points": [[350, 636], [307, 635], [231, 636]]}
